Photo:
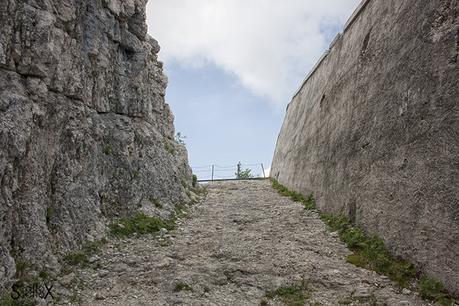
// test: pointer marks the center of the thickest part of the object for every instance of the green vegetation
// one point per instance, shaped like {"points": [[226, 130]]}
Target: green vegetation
{"points": [[371, 253], [309, 203], [179, 138], [22, 268], [156, 203], [431, 289], [140, 224], [200, 191], [26, 278], [195, 181], [181, 286], [295, 295], [135, 173], [108, 150], [7, 300], [169, 147], [50, 212], [81, 257], [243, 174]]}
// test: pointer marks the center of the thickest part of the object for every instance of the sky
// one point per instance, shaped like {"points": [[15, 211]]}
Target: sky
{"points": [[233, 66]]}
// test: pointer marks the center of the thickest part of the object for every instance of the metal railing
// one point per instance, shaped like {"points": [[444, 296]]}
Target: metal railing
{"points": [[214, 172]]}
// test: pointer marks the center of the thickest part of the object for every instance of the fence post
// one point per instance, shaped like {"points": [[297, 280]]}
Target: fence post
{"points": [[263, 168], [212, 172]]}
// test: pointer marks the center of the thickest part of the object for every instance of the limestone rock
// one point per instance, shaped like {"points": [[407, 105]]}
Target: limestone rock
{"points": [[85, 133]]}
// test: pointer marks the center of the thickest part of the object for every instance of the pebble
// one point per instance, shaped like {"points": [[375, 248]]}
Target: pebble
{"points": [[406, 291]]}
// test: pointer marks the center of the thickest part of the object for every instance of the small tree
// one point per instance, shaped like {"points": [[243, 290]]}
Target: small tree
{"points": [[243, 174], [180, 138]]}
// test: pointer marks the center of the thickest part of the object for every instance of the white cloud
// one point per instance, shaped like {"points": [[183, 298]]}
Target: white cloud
{"points": [[268, 45]]}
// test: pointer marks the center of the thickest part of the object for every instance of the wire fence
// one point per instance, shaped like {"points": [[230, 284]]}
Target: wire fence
{"points": [[217, 172]]}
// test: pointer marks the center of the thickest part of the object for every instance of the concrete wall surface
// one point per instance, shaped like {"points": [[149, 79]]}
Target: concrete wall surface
{"points": [[374, 131]]}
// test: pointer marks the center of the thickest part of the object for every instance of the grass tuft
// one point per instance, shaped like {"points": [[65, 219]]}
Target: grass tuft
{"points": [[370, 251], [140, 224], [156, 202], [7, 300], [309, 203], [433, 290], [108, 151], [181, 286], [81, 258], [294, 295], [169, 147]]}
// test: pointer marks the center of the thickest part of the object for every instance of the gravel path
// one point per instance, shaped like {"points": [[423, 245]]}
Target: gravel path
{"points": [[241, 242]]}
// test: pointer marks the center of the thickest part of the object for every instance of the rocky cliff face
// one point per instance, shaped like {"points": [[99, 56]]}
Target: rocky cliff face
{"points": [[374, 131], [85, 134]]}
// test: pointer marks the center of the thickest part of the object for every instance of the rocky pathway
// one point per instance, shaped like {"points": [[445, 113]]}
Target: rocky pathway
{"points": [[236, 248]]}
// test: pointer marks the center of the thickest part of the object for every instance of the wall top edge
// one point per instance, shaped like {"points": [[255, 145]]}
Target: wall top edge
{"points": [[348, 24]]}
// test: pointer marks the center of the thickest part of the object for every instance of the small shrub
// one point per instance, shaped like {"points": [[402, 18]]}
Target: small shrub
{"points": [[179, 138], [243, 174], [195, 181], [181, 286], [23, 268]]}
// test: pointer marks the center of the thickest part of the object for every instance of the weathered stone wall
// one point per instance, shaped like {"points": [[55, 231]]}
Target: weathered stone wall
{"points": [[85, 134], [374, 130]]}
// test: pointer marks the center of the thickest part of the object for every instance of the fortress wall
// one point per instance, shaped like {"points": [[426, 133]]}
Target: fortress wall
{"points": [[373, 131]]}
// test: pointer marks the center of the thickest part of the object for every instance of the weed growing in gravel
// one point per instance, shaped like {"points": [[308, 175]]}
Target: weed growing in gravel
{"points": [[181, 286], [81, 257], [156, 202], [200, 191], [433, 290], [309, 203], [294, 295], [108, 150], [139, 224], [371, 253]]}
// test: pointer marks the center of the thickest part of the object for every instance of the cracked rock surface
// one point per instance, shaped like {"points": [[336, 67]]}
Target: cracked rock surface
{"points": [[85, 133], [243, 240]]}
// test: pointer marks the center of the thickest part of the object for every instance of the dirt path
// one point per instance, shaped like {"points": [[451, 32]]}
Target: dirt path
{"points": [[243, 241]]}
